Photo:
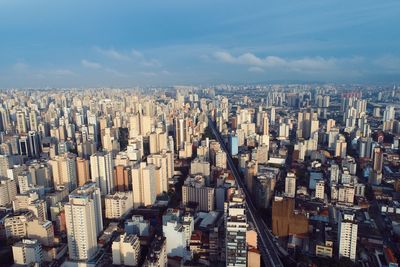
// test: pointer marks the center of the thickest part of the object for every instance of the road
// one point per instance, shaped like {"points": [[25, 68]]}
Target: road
{"points": [[267, 247]]}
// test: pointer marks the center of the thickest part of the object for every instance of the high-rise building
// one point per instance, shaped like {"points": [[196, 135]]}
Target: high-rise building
{"points": [[377, 159], [195, 191], [21, 122], [157, 255], [27, 252], [347, 235], [118, 204], [101, 169], [341, 147], [150, 182], [126, 250], [320, 190], [181, 128], [220, 159], [235, 230], [290, 185], [8, 191], [233, 144], [123, 177], [5, 164], [64, 170], [82, 167], [34, 144], [389, 113], [84, 221], [162, 161]]}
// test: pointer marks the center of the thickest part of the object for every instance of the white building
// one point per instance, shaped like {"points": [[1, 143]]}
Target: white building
{"points": [[177, 230], [347, 235], [27, 252], [126, 250], [137, 225], [320, 190], [84, 221], [290, 185], [101, 168]]}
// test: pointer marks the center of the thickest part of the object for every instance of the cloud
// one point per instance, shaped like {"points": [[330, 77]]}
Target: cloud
{"points": [[256, 69], [134, 56], [20, 66], [62, 72], [112, 53], [148, 62], [90, 64], [115, 72], [389, 63], [301, 64]]}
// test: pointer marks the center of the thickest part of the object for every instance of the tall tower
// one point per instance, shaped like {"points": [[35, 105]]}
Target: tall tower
{"points": [[102, 167], [21, 122], [84, 221], [290, 185], [180, 132], [235, 230], [347, 235]]}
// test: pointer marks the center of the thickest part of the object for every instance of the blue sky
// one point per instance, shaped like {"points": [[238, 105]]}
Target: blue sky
{"points": [[128, 43]]}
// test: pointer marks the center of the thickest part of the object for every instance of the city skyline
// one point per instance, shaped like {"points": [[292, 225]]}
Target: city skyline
{"points": [[74, 44]]}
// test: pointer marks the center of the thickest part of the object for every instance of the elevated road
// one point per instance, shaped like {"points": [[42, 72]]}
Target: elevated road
{"points": [[266, 245]]}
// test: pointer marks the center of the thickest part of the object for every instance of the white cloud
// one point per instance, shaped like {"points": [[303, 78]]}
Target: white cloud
{"points": [[20, 66], [388, 62], [62, 72], [90, 64], [134, 56], [256, 69], [301, 64], [148, 62], [112, 53]]}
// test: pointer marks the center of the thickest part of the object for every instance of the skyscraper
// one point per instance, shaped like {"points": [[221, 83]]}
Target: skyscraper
{"points": [[290, 185], [101, 168], [347, 235], [235, 230], [84, 221]]}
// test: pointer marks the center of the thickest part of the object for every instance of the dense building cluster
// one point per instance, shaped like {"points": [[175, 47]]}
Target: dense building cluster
{"points": [[250, 175]]}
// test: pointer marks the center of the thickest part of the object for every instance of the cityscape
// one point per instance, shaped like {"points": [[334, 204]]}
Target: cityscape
{"points": [[112, 155]]}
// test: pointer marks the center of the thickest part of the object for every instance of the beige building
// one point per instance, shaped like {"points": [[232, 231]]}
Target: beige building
{"points": [[43, 231], [27, 252], [64, 170], [8, 191], [118, 204], [82, 169], [126, 250]]}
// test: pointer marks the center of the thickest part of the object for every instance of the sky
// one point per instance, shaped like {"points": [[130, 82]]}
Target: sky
{"points": [[74, 43]]}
